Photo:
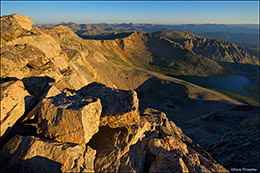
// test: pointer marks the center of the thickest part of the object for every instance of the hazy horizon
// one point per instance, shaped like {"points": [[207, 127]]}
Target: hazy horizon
{"points": [[137, 12], [150, 23]]}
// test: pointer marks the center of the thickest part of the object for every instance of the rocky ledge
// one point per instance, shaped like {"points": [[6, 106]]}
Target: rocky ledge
{"points": [[99, 129]]}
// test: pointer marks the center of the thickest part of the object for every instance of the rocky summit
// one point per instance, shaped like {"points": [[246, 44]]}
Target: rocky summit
{"points": [[75, 105]]}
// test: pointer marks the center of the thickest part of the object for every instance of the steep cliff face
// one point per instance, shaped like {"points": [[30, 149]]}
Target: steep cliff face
{"points": [[68, 105]]}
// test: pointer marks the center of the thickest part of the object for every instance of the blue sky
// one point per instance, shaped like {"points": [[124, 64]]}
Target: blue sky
{"points": [[163, 12]]}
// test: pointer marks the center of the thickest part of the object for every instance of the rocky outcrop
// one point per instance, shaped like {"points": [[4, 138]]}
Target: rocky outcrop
{"points": [[154, 145], [124, 141], [69, 119], [30, 52], [168, 145], [13, 102], [46, 43], [33, 154], [119, 107], [37, 50], [18, 59], [19, 24]]}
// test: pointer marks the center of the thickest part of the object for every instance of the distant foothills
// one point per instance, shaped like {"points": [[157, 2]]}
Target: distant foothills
{"points": [[241, 34]]}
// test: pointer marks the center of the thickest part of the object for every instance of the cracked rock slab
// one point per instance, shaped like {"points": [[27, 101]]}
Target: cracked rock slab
{"points": [[69, 119], [119, 107]]}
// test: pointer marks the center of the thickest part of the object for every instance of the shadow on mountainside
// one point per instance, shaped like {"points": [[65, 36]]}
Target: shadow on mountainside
{"points": [[104, 36], [249, 70], [225, 129], [176, 100]]}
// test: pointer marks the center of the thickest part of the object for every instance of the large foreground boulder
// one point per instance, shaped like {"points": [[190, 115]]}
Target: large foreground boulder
{"points": [[32, 154], [69, 119], [119, 107], [13, 98]]}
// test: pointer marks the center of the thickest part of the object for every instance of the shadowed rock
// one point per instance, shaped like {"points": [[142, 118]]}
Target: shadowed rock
{"points": [[38, 86], [154, 145], [32, 154], [119, 149]]}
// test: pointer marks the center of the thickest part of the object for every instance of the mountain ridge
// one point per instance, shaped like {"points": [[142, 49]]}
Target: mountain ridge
{"points": [[212, 48], [99, 31]]}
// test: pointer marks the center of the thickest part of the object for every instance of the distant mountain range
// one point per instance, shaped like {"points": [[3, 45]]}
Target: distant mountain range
{"points": [[246, 39], [200, 56], [242, 34]]}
